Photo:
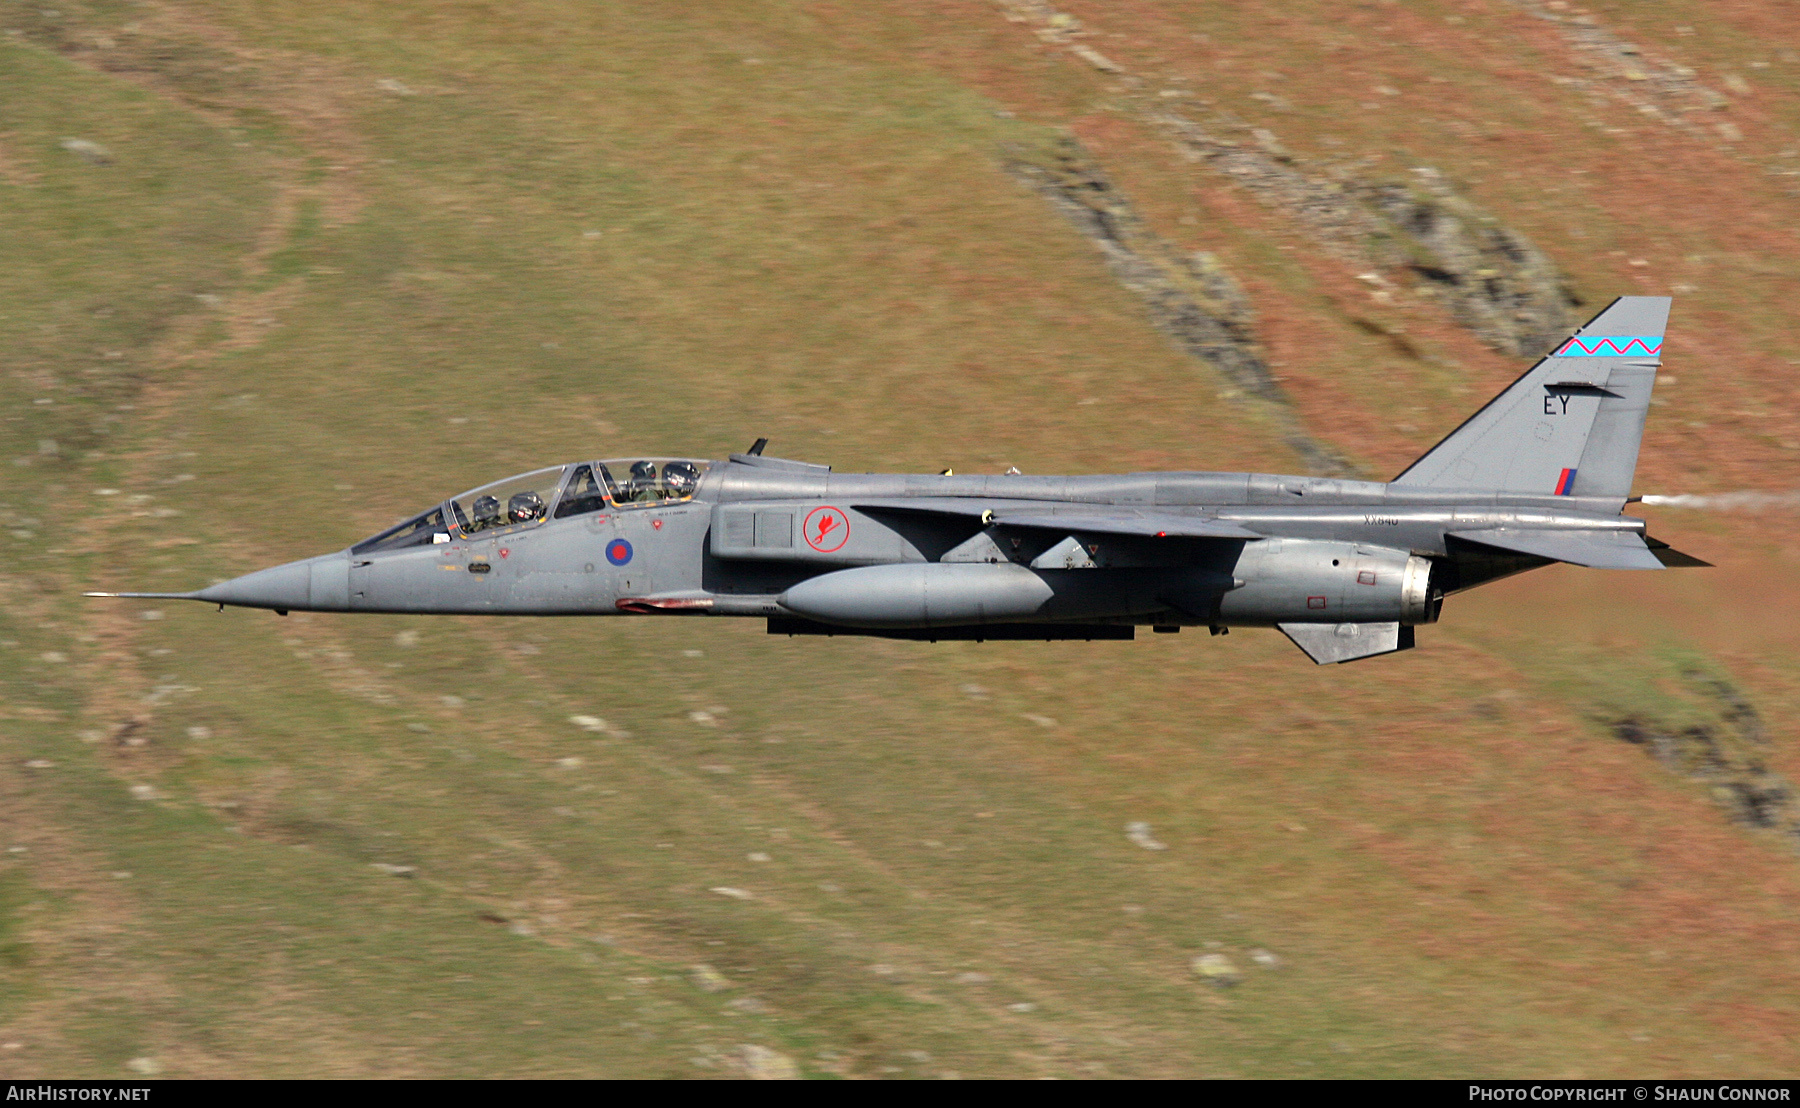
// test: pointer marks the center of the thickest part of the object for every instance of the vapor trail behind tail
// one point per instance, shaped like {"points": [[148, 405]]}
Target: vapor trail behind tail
{"points": [[1747, 501]]}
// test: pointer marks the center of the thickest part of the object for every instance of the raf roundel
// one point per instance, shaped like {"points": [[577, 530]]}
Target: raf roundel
{"points": [[826, 530], [618, 552]]}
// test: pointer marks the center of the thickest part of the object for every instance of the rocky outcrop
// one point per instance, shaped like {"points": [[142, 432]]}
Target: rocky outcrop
{"points": [[1190, 296], [1727, 756], [1653, 86], [1490, 277], [1420, 229]]}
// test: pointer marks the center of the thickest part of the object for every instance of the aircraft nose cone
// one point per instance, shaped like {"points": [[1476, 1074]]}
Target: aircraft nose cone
{"points": [[281, 587]]}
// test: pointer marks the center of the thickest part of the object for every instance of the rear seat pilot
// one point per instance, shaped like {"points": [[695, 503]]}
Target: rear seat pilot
{"points": [[679, 479], [525, 507]]}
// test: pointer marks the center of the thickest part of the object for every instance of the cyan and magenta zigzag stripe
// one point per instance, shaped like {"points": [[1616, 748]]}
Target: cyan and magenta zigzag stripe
{"points": [[1609, 346]]}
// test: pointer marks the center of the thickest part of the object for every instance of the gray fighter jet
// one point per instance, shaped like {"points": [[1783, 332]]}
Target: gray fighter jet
{"points": [[1346, 569]]}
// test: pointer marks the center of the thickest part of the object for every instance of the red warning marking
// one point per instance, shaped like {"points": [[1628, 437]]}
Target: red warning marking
{"points": [[504, 552], [656, 523], [826, 530], [1365, 577], [1315, 602]]}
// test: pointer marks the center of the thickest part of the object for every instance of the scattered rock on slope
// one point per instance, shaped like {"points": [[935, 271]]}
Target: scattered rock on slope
{"points": [[762, 1064], [1217, 970], [1139, 832], [88, 151]]}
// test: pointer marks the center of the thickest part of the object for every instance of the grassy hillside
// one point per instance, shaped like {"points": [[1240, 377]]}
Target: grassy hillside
{"points": [[280, 273]]}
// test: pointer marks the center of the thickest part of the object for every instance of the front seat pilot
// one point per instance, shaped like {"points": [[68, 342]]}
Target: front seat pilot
{"points": [[643, 483], [487, 513]]}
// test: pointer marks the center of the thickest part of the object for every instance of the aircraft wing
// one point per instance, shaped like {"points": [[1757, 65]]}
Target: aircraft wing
{"points": [[1100, 520], [1149, 525], [1598, 549]]}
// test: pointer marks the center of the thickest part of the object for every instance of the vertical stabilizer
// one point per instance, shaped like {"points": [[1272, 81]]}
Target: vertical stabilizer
{"points": [[1572, 424]]}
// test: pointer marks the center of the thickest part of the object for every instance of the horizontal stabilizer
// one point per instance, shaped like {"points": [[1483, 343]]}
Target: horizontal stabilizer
{"points": [[1597, 549], [1672, 558], [1328, 643]]}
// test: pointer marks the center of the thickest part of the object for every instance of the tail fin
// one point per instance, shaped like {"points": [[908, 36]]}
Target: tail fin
{"points": [[1572, 424]]}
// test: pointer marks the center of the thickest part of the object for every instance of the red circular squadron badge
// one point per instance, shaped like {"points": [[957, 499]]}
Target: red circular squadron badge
{"points": [[826, 530]]}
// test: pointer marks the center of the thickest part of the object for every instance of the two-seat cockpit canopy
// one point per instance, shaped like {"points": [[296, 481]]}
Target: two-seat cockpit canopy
{"points": [[530, 499]]}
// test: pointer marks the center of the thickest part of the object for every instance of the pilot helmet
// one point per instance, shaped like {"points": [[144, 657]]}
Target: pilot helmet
{"points": [[487, 511], [643, 473], [525, 507], [680, 478]]}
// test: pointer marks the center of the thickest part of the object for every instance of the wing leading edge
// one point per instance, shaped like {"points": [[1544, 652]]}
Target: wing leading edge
{"points": [[1114, 522]]}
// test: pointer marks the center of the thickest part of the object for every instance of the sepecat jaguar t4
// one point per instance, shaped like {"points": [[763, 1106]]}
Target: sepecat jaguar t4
{"points": [[1346, 569]]}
